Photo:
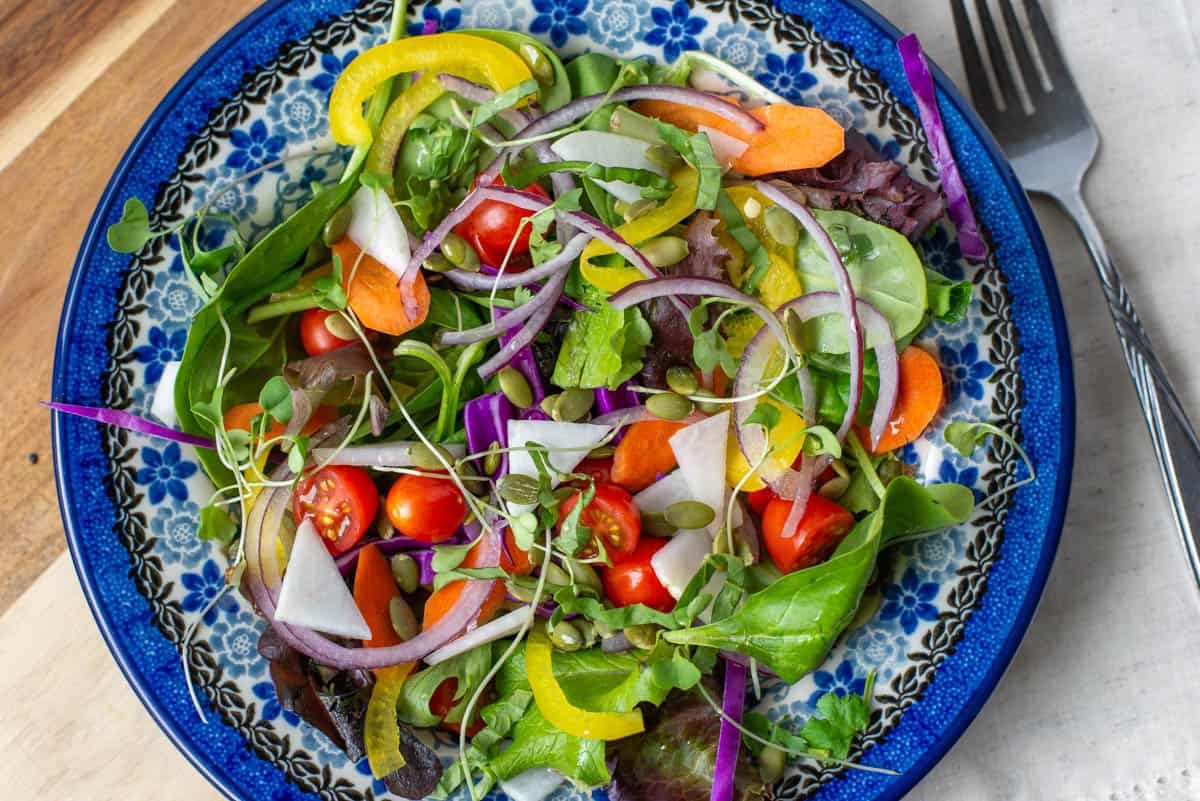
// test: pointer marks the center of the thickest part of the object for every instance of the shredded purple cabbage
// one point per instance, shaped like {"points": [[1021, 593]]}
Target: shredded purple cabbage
{"points": [[486, 420], [130, 422]]}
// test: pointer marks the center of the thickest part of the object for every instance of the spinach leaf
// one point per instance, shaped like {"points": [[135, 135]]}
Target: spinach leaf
{"points": [[884, 269], [948, 300], [603, 682], [593, 74], [790, 625], [603, 347]]}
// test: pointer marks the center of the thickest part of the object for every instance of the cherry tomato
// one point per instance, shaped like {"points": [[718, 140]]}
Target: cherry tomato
{"points": [[820, 530], [759, 499], [600, 470], [634, 581], [426, 508], [315, 334], [612, 517], [442, 701], [341, 501], [490, 229]]}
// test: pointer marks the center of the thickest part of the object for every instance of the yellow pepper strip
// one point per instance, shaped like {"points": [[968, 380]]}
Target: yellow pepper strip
{"points": [[381, 731], [677, 207], [780, 284], [472, 57], [400, 115], [562, 714], [787, 436]]}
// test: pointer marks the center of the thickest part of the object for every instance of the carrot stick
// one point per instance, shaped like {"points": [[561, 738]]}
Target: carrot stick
{"points": [[919, 399], [374, 589], [375, 295], [644, 453]]}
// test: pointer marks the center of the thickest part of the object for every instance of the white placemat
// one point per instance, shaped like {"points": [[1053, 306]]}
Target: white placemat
{"points": [[1103, 701]]}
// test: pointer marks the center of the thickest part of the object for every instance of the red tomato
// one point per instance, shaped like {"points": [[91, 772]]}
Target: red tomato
{"points": [[634, 581], [820, 530], [341, 501], [491, 227], [612, 517], [442, 701], [426, 508], [316, 336], [600, 470], [759, 499]]}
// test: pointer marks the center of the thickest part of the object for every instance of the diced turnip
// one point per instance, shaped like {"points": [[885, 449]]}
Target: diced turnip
{"points": [[313, 594], [376, 227]]}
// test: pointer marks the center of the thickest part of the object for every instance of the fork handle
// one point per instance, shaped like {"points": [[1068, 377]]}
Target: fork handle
{"points": [[1175, 442]]}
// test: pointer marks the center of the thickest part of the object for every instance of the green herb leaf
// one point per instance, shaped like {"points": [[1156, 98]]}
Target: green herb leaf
{"points": [[298, 454], [484, 112], [765, 415], [697, 151], [603, 347], [467, 669], [133, 231], [735, 224], [948, 300], [276, 399], [448, 557], [573, 536], [603, 682], [216, 525], [843, 717]]}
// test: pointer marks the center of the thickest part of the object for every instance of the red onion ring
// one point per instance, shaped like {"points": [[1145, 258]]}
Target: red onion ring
{"points": [[546, 296], [480, 281]]}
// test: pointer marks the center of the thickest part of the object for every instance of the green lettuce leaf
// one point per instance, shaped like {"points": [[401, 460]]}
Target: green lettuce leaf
{"points": [[603, 347], [466, 669]]}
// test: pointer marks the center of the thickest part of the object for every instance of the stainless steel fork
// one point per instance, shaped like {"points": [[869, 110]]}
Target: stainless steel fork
{"points": [[1051, 148]]}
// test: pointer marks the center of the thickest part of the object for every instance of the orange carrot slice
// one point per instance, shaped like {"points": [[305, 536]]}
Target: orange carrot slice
{"points": [[374, 589], [644, 452], [241, 415], [375, 295], [795, 137], [919, 399]]}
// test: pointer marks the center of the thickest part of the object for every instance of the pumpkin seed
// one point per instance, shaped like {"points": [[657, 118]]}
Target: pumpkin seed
{"points": [[644, 636], [426, 458], [404, 622], [638, 208], [664, 251], [556, 575], [548, 403], [585, 575], [316, 254], [460, 253], [603, 452], [655, 525], [336, 324], [708, 407], [682, 380], [437, 263], [383, 523], [337, 226], [572, 405], [771, 764], [689, 514], [519, 591], [406, 573], [518, 489], [566, 636], [562, 493], [720, 543], [475, 483], [491, 462], [539, 65], [669, 406], [752, 208], [782, 226], [515, 387], [834, 488], [794, 327]]}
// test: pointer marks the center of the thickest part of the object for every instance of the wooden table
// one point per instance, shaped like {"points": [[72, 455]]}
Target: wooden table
{"points": [[80, 76]]}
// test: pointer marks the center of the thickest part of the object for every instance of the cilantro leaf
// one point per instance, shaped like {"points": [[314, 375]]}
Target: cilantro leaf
{"points": [[843, 717]]}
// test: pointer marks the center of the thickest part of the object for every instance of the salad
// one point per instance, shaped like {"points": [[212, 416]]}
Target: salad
{"points": [[569, 416]]}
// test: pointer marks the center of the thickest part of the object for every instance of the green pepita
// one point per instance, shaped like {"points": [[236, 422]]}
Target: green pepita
{"points": [[644, 636], [708, 407], [316, 254], [383, 523], [548, 403], [794, 327], [491, 462], [562, 493], [721, 543], [437, 263], [337, 226], [515, 387], [572, 405], [669, 406], [664, 251], [771, 764], [689, 514], [556, 575], [585, 575], [655, 524], [424, 457], [682, 380], [404, 622], [460, 253], [834, 488], [638, 208], [603, 452], [539, 65], [519, 591], [406, 572], [566, 636], [336, 324], [782, 226], [518, 489]]}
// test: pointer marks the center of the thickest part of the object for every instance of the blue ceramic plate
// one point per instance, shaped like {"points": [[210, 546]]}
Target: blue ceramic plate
{"points": [[953, 606]]}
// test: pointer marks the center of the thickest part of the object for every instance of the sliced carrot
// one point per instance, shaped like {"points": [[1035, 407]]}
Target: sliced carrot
{"points": [[919, 399], [440, 601], [794, 137], [241, 416], [644, 452], [375, 294], [374, 589]]}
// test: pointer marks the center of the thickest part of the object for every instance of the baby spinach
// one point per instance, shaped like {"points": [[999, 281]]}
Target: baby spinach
{"points": [[884, 269], [791, 625]]}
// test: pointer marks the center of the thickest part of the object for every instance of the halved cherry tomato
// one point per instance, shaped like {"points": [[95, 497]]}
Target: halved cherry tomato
{"points": [[600, 470], [426, 508], [442, 701], [612, 517], [821, 529], [243, 414], [634, 581], [341, 501], [315, 334], [492, 226], [759, 499]]}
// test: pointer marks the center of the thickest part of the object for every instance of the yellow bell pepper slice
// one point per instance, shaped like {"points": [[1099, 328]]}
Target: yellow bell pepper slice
{"points": [[381, 732], [780, 284], [787, 436], [677, 208], [472, 57], [399, 117], [562, 714]]}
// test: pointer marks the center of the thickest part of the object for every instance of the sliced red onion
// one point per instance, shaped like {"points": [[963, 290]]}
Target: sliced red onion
{"points": [[958, 202], [383, 454], [130, 422], [546, 296], [730, 739], [520, 341], [638, 414], [551, 267], [642, 291], [390, 547]]}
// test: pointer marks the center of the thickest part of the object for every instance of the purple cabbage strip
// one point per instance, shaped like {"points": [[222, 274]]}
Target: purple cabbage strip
{"points": [[730, 738], [390, 547], [130, 422], [486, 420], [524, 361]]}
